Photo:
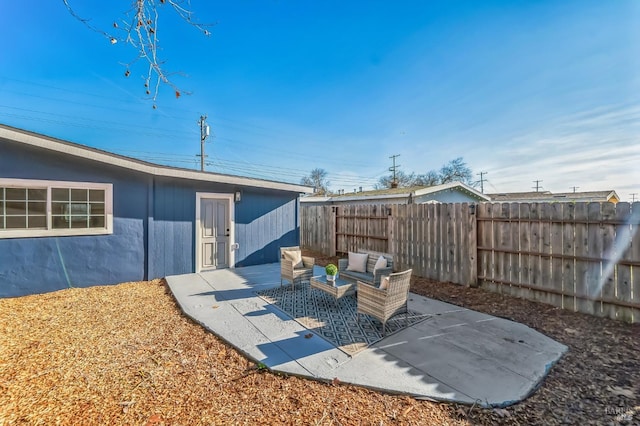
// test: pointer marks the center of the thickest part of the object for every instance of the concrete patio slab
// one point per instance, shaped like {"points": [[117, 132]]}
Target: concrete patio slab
{"points": [[456, 354]]}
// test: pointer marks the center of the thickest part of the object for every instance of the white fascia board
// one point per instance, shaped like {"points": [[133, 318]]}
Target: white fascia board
{"points": [[141, 166], [314, 199]]}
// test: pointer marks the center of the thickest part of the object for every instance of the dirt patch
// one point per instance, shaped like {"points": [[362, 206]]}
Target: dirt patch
{"points": [[596, 382]]}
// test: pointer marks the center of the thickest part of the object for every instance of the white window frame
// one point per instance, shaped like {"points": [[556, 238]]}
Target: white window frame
{"points": [[50, 232]]}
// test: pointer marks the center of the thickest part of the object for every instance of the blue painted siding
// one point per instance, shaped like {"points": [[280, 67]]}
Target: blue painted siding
{"points": [[154, 227], [36, 265], [264, 223]]}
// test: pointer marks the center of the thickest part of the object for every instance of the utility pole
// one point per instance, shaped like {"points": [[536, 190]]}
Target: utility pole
{"points": [[482, 179], [574, 188], [204, 134], [633, 196], [394, 182], [537, 187]]}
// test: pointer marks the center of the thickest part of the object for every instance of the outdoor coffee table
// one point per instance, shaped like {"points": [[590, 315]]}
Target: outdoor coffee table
{"points": [[337, 288]]}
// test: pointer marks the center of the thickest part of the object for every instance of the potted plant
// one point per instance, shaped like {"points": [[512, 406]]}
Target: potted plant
{"points": [[332, 272]]}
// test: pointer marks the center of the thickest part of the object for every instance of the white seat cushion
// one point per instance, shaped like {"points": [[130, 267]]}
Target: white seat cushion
{"points": [[357, 262]]}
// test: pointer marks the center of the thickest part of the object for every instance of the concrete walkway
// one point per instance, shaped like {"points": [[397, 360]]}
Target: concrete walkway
{"points": [[456, 355]]}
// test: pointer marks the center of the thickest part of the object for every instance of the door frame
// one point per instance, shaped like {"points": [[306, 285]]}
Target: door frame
{"points": [[232, 235]]}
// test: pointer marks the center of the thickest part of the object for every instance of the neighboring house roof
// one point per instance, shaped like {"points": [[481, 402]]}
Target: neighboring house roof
{"points": [[82, 151], [391, 193], [548, 196]]}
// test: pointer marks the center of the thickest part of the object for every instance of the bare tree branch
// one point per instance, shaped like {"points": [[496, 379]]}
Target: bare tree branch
{"points": [[140, 30]]}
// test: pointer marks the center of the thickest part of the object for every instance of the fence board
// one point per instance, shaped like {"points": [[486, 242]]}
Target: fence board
{"points": [[536, 247], [524, 229], [595, 251], [434, 246], [608, 281], [555, 235], [624, 251], [568, 249], [545, 250], [485, 234], [582, 266], [635, 255], [514, 246]]}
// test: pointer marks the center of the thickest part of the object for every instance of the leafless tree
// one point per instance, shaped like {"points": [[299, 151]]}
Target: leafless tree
{"points": [[139, 28], [318, 179]]}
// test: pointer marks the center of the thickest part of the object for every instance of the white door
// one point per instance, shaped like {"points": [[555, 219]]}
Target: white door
{"points": [[214, 233]]}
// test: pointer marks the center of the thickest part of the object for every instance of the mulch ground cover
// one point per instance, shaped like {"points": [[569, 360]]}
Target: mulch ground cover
{"points": [[125, 354], [597, 382]]}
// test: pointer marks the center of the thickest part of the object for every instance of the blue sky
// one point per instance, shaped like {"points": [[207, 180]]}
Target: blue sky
{"points": [[527, 90]]}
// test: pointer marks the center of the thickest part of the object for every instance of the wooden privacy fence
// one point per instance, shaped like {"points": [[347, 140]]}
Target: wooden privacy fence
{"points": [[579, 256], [436, 240]]}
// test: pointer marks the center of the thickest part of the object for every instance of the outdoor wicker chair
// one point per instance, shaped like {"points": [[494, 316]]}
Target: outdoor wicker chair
{"points": [[385, 303], [294, 267]]}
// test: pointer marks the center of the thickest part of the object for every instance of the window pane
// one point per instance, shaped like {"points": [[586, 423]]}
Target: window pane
{"points": [[97, 208], [60, 222], [16, 222], [79, 195], [16, 194], [97, 222], [36, 207], [59, 208], [16, 207], [79, 222], [37, 222], [59, 194], [1, 207], [37, 195], [96, 195]]}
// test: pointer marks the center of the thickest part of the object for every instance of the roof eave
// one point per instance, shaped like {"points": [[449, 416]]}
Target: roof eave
{"points": [[76, 150]]}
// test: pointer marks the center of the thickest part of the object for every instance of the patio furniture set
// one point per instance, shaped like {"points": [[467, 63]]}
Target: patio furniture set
{"points": [[369, 275]]}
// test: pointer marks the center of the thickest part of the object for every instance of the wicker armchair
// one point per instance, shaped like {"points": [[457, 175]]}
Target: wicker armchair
{"points": [[289, 272], [384, 304]]}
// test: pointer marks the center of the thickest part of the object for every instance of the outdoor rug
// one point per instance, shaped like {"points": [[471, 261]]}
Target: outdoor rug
{"points": [[335, 320]]}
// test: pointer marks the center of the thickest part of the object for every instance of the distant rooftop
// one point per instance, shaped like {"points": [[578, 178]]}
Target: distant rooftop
{"points": [[548, 196]]}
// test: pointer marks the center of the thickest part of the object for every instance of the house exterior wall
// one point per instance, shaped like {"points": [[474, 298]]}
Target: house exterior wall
{"points": [[37, 265], [446, 197], [153, 226], [264, 221]]}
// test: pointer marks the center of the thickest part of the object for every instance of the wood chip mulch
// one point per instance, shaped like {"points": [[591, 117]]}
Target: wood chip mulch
{"points": [[597, 382], [125, 354]]}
